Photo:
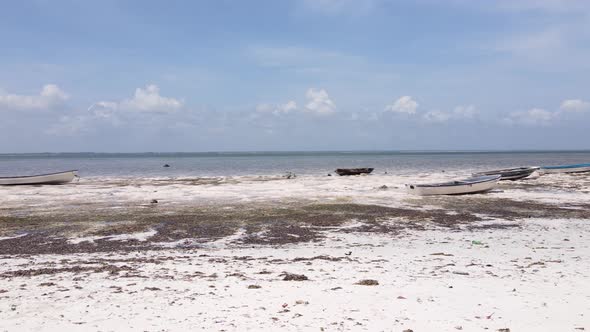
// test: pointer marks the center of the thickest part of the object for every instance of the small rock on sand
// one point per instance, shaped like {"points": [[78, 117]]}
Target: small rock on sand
{"points": [[254, 287], [368, 282]]}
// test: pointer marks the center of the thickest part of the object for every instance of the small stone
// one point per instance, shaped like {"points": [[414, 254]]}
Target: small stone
{"points": [[254, 287]]}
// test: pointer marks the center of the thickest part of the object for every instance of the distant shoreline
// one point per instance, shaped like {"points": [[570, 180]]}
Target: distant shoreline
{"points": [[280, 153]]}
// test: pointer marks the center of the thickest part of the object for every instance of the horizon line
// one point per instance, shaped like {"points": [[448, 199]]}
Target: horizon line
{"points": [[299, 151]]}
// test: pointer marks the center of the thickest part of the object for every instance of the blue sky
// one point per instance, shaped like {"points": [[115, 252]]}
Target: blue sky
{"points": [[123, 76]]}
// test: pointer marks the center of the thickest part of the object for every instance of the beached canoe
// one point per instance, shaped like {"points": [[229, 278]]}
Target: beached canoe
{"points": [[577, 168], [353, 171], [53, 178], [510, 173], [466, 186]]}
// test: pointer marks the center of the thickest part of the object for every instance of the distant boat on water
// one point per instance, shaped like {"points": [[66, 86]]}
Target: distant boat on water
{"points": [[353, 171], [577, 168], [52, 178], [510, 173], [458, 187]]}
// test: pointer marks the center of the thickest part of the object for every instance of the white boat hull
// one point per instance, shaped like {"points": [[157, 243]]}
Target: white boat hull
{"points": [[455, 189], [54, 178]]}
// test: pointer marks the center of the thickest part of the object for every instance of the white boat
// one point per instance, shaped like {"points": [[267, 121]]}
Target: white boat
{"points": [[577, 168], [466, 186], [53, 178]]}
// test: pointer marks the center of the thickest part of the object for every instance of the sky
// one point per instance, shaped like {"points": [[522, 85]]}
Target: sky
{"points": [[260, 75]]}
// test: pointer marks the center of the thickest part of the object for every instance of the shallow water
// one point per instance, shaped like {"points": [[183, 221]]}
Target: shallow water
{"points": [[269, 163]]}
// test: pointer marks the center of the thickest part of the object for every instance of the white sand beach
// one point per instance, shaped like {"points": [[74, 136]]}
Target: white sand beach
{"points": [[516, 267]]}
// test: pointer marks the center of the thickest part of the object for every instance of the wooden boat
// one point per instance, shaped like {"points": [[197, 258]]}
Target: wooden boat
{"points": [[353, 171], [577, 168], [510, 173], [53, 178], [466, 186]]}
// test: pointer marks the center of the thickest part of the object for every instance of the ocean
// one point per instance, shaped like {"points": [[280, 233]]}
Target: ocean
{"points": [[273, 163]]}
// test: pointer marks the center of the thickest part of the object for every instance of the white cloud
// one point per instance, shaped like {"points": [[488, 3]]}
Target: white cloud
{"points": [[103, 109], [404, 104], [49, 97], [574, 105], [277, 109], [145, 100], [436, 116], [532, 117], [149, 100], [319, 102]]}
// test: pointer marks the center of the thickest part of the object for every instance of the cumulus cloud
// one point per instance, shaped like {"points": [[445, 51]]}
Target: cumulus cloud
{"points": [[404, 104], [147, 100], [49, 97], [319, 102], [532, 117], [277, 109], [574, 105]]}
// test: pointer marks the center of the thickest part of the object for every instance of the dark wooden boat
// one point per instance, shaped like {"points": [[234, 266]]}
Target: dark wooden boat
{"points": [[353, 171], [510, 173]]}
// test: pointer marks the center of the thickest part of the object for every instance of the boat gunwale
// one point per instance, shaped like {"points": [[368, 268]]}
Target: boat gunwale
{"points": [[490, 178], [517, 170], [34, 176]]}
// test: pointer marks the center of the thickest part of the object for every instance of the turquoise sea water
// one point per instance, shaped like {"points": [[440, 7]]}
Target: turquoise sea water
{"points": [[269, 163]]}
